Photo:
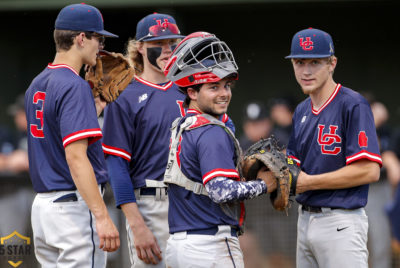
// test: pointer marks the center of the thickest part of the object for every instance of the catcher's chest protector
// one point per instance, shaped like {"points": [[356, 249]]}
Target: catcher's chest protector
{"points": [[173, 173]]}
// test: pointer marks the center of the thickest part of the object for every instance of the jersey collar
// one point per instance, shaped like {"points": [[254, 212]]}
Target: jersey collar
{"points": [[162, 87], [335, 92], [192, 111], [224, 118], [57, 66]]}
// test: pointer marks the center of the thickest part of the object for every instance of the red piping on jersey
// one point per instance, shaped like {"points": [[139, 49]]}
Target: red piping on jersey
{"points": [[242, 213], [57, 66], [364, 155], [229, 173], [224, 119], [193, 111], [93, 135], [295, 159], [165, 87], [335, 92], [117, 152], [178, 152]]}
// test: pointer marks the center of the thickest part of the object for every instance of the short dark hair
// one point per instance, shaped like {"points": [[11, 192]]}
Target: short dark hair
{"points": [[184, 90], [65, 38]]}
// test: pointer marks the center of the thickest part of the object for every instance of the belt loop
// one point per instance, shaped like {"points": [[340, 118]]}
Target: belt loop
{"points": [[164, 193], [137, 193], [326, 210], [158, 194]]}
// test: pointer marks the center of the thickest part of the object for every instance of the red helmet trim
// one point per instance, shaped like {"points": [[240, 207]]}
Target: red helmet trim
{"points": [[199, 78]]}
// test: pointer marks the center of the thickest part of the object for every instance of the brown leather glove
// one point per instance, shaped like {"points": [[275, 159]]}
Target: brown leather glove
{"points": [[110, 76], [267, 153]]}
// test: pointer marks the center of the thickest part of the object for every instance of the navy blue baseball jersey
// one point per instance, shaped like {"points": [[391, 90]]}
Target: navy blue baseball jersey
{"points": [[136, 128], [205, 153], [341, 132], [60, 109]]}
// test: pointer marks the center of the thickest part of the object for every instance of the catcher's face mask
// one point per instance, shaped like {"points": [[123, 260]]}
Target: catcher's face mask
{"points": [[200, 58]]}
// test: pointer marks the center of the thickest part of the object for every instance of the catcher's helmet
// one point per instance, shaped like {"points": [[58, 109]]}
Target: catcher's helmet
{"points": [[200, 58]]}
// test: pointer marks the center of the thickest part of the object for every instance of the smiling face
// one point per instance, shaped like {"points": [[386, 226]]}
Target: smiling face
{"points": [[212, 98], [156, 53], [313, 74]]}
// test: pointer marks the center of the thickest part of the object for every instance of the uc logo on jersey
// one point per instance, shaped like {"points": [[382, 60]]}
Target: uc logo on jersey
{"points": [[328, 139]]}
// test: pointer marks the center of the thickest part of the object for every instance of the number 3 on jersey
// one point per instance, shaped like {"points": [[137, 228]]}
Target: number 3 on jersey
{"points": [[36, 131]]}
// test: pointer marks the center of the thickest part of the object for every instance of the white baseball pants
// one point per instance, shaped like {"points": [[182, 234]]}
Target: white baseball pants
{"points": [[64, 233], [198, 250], [332, 238]]}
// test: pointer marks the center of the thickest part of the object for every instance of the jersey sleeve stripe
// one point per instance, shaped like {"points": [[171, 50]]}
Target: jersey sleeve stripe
{"points": [[117, 152], [298, 162], [231, 173], [95, 134], [364, 155]]}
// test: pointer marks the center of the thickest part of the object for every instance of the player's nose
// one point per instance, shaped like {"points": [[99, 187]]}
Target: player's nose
{"points": [[307, 70]]}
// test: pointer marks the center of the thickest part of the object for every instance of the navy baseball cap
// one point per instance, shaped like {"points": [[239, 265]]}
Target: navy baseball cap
{"points": [[81, 17], [157, 27], [311, 43]]}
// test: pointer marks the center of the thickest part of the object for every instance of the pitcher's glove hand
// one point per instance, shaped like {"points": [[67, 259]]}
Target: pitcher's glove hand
{"points": [[267, 153], [110, 76]]}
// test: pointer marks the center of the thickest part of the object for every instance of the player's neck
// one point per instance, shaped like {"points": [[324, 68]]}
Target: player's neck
{"points": [[193, 105], [70, 59], [322, 94], [152, 76]]}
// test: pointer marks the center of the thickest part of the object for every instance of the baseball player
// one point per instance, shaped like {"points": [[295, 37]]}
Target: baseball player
{"points": [[205, 215], [136, 138], [334, 142], [69, 218]]}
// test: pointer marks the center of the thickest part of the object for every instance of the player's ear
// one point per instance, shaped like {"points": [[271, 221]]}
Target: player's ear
{"points": [[192, 93], [332, 63], [140, 48], [80, 38]]}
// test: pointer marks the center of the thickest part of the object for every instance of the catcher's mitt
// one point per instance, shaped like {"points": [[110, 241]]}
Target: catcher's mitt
{"points": [[110, 76], [267, 153]]}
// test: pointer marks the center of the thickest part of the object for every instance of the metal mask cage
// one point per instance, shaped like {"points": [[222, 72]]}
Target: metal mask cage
{"points": [[214, 54]]}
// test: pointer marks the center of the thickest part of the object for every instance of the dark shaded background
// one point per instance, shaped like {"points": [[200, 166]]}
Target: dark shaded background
{"points": [[366, 36]]}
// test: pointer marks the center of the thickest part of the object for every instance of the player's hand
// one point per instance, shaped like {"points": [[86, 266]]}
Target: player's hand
{"points": [[108, 234], [146, 244], [268, 177], [100, 104]]}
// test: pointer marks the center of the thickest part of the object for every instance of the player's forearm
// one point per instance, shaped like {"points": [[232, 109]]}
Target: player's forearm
{"points": [[84, 178], [100, 105], [133, 216], [356, 174], [223, 189]]}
